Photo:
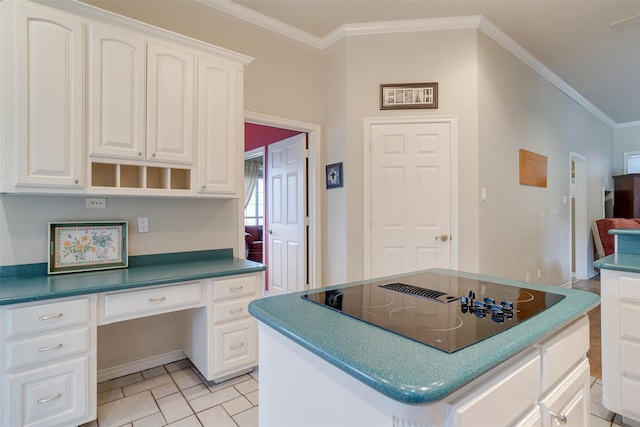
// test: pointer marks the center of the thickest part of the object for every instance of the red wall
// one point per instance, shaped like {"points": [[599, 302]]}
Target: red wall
{"points": [[260, 136]]}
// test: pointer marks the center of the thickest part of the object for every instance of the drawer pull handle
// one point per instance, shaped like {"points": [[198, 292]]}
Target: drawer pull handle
{"points": [[157, 299], [53, 347], [236, 310], [41, 401], [237, 346], [52, 316], [237, 288], [562, 418]]}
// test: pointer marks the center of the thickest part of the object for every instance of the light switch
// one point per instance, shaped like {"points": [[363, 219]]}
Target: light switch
{"points": [[143, 225], [483, 194]]}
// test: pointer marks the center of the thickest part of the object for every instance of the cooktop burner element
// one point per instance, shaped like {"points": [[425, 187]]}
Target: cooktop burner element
{"points": [[439, 310]]}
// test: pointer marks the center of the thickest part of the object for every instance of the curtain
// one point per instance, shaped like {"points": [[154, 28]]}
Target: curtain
{"points": [[251, 169]]}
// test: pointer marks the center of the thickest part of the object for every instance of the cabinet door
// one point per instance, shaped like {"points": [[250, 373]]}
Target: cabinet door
{"points": [[220, 128], [235, 346], [54, 395], [170, 104], [117, 62], [50, 98], [569, 403]]}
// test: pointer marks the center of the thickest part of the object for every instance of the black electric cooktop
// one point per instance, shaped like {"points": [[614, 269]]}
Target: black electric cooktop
{"points": [[442, 311]]}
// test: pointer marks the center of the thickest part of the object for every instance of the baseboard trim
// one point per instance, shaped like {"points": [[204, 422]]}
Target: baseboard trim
{"points": [[139, 365]]}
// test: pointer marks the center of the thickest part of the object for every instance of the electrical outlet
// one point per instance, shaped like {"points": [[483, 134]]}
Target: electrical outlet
{"points": [[94, 203], [143, 225], [539, 275], [527, 277]]}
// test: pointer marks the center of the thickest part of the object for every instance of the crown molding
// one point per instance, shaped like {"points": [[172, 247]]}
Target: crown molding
{"points": [[257, 18], [521, 53], [404, 26], [628, 124]]}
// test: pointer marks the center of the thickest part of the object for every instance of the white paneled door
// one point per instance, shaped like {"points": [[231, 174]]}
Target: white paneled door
{"points": [[410, 195], [286, 217]]}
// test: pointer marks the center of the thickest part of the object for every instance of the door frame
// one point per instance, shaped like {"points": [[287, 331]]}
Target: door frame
{"points": [[452, 121], [578, 213], [314, 193]]}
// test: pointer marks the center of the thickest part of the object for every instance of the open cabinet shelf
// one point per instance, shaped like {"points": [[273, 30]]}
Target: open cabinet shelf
{"points": [[122, 176]]}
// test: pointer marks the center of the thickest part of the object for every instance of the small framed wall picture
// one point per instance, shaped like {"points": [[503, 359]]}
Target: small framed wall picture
{"points": [[334, 175], [399, 96], [84, 246]]}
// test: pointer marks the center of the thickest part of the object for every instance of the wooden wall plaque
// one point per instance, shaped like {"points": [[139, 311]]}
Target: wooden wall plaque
{"points": [[533, 169]]}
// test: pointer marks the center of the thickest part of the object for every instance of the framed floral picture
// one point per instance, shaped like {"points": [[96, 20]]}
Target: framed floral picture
{"points": [[83, 246]]}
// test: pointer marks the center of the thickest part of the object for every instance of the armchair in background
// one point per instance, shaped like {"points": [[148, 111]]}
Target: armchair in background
{"points": [[253, 242]]}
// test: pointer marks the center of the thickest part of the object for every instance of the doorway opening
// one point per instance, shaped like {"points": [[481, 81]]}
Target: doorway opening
{"points": [[260, 132], [578, 212]]}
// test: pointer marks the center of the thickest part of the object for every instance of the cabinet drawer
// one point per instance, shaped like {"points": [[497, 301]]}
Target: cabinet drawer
{"points": [[500, 401], [629, 321], [563, 351], [56, 395], [44, 317], [147, 302], [47, 347], [236, 346], [630, 289], [231, 310], [236, 287]]}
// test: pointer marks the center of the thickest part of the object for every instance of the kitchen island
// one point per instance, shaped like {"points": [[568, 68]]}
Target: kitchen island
{"points": [[319, 367], [620, 291]]}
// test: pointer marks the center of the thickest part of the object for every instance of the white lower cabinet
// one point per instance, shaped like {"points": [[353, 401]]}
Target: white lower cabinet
{"points": [[222, 339], [546, 385], [52, 395], [569, 403], [620, 293], [502, 397], [48, 363]]}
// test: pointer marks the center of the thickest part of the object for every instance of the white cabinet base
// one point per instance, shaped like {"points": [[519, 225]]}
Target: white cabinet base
{"points": [[510, 394]]}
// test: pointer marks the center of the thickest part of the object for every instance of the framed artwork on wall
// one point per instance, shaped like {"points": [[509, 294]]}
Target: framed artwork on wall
{"points": [[334, 175], [408, 95], [84, 246]]}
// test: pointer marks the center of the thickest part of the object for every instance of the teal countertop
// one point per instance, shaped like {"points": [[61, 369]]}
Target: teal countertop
{"points": [[143, 271], [620, 262], [421, 374]]}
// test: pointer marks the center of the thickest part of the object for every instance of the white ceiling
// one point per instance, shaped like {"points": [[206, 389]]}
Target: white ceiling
{"points": [[575, 39]]}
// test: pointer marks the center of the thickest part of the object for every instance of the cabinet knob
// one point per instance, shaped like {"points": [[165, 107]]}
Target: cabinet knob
{"points": [[75, 181], [139, 153], [561, 418], [153, 155]]}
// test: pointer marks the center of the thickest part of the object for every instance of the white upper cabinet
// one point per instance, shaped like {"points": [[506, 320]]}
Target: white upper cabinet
{"points": [[44, 99], [116, 99], [99, 104], [220, 126], [141, 97], [170, 103]]}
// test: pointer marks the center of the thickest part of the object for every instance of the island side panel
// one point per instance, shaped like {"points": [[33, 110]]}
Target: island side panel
{"points": [[293, 380]]}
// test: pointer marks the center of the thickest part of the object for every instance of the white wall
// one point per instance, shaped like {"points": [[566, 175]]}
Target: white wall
{"points": [[523, 228], [176, 225], [446, 57], [626, 138]]}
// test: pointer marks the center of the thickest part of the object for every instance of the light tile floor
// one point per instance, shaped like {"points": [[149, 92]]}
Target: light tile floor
{"points": [[601, 416], [177, 395]]}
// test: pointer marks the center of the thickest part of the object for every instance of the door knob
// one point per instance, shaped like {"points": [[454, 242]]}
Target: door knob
{"points": [[270, 231], [442, 237]]}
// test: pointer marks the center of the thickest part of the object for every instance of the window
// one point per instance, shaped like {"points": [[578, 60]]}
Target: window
{"points": [[254, 212], [632, 162]]}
